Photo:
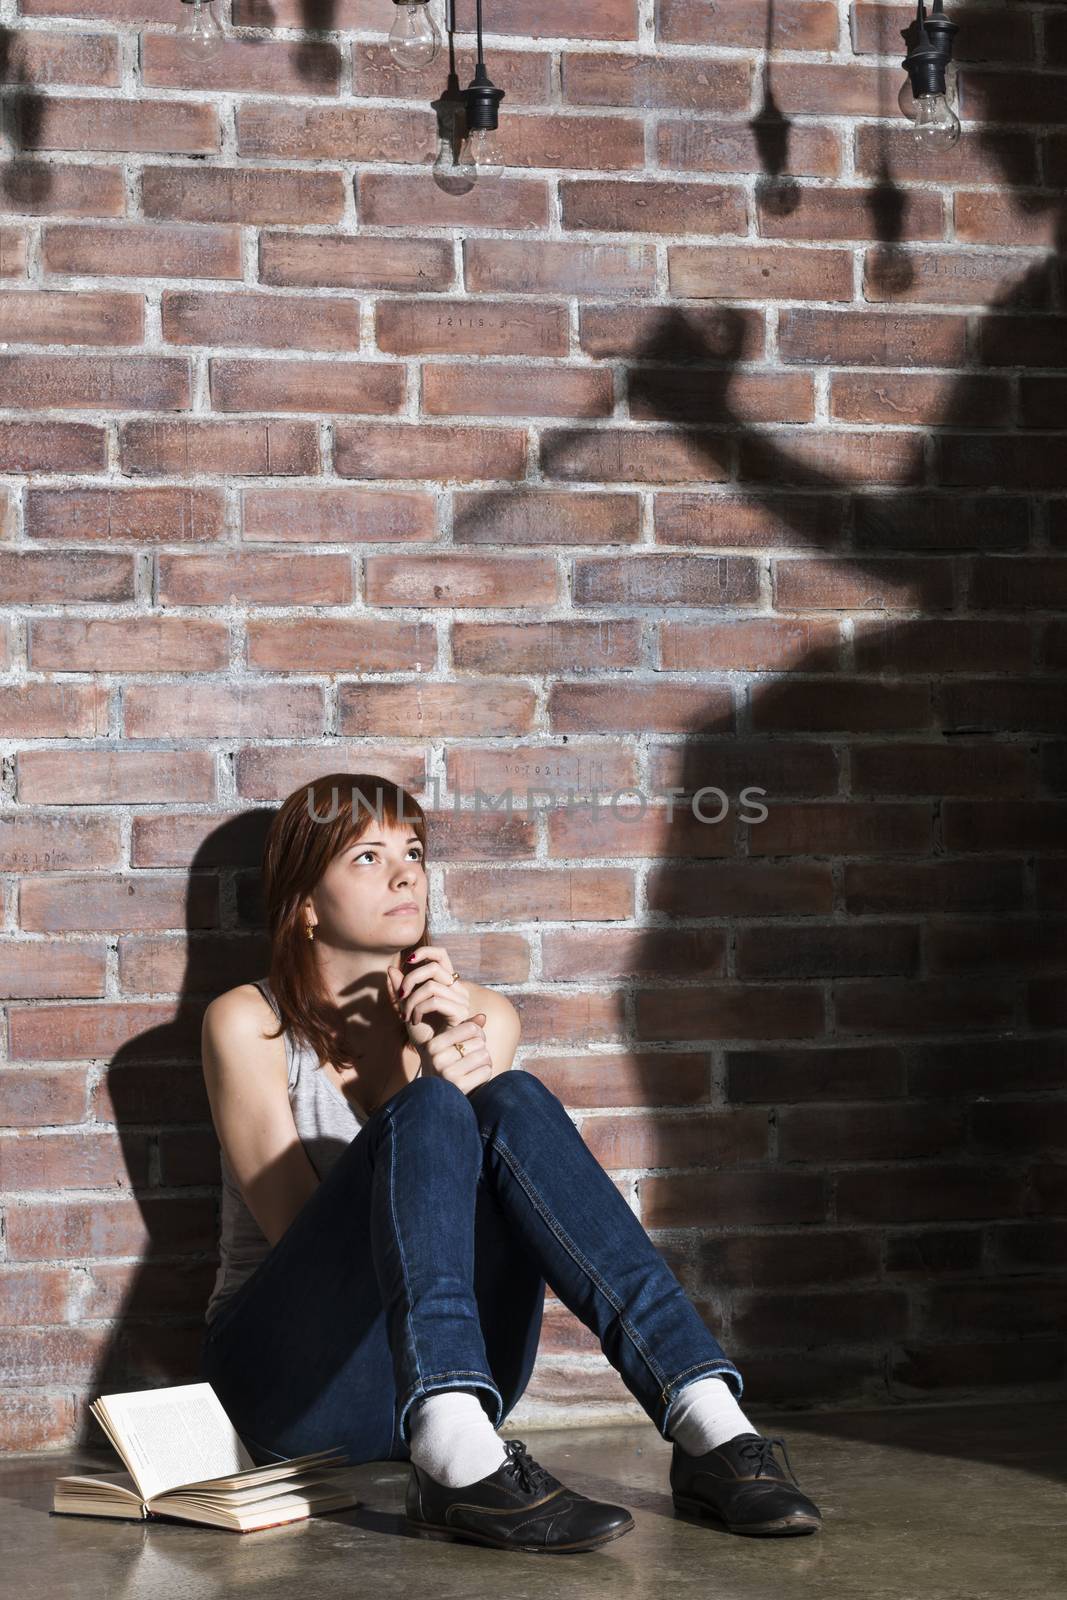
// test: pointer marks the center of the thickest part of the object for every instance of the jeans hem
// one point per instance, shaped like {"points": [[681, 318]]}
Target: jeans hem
{"points": [[447, 1380], [704, 1369]]}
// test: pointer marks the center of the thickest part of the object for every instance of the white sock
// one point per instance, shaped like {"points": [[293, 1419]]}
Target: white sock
{"points": [[706, 1415], [453, 1439]]}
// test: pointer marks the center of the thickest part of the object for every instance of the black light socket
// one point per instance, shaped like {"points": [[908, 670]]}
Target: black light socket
{"points": [[482, 99], [929, 45]]}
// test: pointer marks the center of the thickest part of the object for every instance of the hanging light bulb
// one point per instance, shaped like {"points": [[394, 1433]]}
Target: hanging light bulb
{"points": [[930, 82], [414, 39], [906, 97], [479, 154], [935, 125], [200, 36]]}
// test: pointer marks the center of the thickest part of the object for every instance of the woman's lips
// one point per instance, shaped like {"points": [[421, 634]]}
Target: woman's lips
{"points": [[400, 910]]}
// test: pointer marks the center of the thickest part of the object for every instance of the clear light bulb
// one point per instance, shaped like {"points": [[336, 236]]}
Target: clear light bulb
{"points": [[935, 125], [413, 39], [201, 36], [479, 154], [906, 100]]}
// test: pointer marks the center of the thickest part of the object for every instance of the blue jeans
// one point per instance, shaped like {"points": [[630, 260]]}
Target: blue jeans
{"points": [[420, 1263]]}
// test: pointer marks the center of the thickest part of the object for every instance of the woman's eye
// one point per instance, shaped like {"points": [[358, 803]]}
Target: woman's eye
{"points": [[364, 853]]}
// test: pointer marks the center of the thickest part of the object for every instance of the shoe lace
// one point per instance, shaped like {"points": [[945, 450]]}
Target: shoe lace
{"points": [[530, 1473], [760, 1452]]}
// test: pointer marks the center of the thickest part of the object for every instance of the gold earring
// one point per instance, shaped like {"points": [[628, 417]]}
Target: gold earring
{"points": [[309, 929]]}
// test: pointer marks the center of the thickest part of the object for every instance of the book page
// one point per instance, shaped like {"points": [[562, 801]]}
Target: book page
{"points": [[174, 1436]]}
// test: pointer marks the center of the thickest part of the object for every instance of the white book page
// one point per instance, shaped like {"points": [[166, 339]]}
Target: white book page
{"points": [[175, 1436]]}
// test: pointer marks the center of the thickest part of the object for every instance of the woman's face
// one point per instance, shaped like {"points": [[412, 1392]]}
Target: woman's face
{"points": [[356, 903]]}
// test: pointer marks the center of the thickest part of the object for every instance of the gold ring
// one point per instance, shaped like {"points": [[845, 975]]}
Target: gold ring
{"points": [[459, 1047], [453, 979]]}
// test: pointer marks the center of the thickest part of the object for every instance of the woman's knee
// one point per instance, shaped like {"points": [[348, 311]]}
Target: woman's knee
{"points": [[514, 1088]]}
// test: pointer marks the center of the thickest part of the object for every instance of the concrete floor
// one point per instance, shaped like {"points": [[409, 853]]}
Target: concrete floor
{"points": [[920, 1503]]}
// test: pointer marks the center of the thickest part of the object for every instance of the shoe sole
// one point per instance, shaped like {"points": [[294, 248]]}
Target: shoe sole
{"points": [[780, 1527], [430, 1530]]}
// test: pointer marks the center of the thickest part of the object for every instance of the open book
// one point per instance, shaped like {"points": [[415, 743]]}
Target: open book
{"points": [[187, 1462]]}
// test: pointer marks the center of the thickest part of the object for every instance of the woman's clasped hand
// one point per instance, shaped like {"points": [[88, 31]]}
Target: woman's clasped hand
{"points": [[459, 1051]]}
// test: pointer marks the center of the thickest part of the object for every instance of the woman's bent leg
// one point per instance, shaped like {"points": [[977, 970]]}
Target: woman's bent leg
{"points": [[591, 1247], [367, 1302]]}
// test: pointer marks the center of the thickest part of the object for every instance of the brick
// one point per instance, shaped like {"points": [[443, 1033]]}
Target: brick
{"points": [[800, 1322], [142, 250], [837, 827], [390, 200], [336, 385], [634, 1079], [939, 769], [430, 450], [735, 518], [931, 886], [243, 65], [13, 245], [939, 1005], [334, 642], [652, 206], [1012, 219], [919, 398], [256, 578], [545, 517], [941, 645], [663, 708], [1018, 583], [1023, 341], [987, 155], [629, 455], [68, 122], [951, 277], [758, 272], [97, 644], [36, 56], [536, 646], [511, 267], [336, 515], [693, 1139], [1035, 944], [488, 389], [527, 73], [871, 338], [779, 766], [1023, 704], [828, 950], [849, 213], [52, 447], [751, 1199], [883, 584], [604, 19], [70, 575], [87, 903], [64, 316], [795, 25], [759, 644], [940, 521], [1002, 461], [1042, 401], [685, 83], [80, 190], [248, 195], [271, 128], [224, 711], [526, 774], [572, 141], [695, 396], [840, 1072], [214, 317], [1012, 97], [735, 146], [127, 515], [471, 709], [829, 89], [1003, 825], [54, 711], [831, 458], [662, 333], [460, 581], [462, 327], [853, 706], [183, 447], [336, 261], [107, 383], [666, 580]]}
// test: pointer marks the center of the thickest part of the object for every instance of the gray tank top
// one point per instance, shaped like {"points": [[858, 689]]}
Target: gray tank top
{"points": [[327, 1123]]}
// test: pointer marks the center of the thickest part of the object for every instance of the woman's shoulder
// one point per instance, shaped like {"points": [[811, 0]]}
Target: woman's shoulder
{"points": [[244, 1003], [491, 1001]]}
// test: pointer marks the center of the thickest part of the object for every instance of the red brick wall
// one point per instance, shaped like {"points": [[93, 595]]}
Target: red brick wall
{"points": [[639, 467]]}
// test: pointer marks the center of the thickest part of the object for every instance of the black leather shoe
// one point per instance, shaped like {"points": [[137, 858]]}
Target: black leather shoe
{"points": [[520, 1506], [741, 1485]]}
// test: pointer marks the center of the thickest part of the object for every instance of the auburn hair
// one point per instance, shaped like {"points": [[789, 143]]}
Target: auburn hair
{"points": [[310, 829]]}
